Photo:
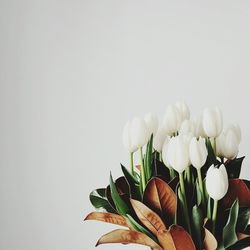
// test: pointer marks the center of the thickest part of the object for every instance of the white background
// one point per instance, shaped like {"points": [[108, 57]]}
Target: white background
{"points": [[72, 73]]}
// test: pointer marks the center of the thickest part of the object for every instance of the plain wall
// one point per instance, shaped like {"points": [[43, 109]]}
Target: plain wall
{"points": [[72, 73]]}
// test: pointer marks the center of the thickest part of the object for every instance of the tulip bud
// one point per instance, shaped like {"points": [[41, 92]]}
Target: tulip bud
{"points": [[165, 151], [159, 139], [227, 144], [187, 127], [236, 129], [199, 131], [126, 137], [217, 182], [172, 120], [212, 122], [198, 152], [151, 121], [178, 153], [183, 109], [138, 132]]}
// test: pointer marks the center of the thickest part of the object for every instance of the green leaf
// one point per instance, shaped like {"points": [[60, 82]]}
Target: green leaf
{"points": [[133, 183], [98, 200], [138, 227], [209, 208], [234, 167], [243, 218], [120, 205], [179, 218], [148, 159], [197, 221], [198, 193], [241, 244], [229, 231]]}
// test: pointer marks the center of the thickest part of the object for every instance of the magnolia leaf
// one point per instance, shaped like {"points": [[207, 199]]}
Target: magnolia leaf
{"points": [[160, 170], [176, 238], [108, 217], [174, 182], [210, 243], [197, 227], [120, 204], [229, 231], [159, 196], [98, 200], [237, 190], [234, 167], [243, 218], [148, 218], [241, 244], [242, 236], [126, 237]]}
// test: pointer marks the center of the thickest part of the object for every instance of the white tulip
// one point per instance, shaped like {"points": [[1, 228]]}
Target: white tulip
{"points": [[178, 153], [236, 129], [172, 120], [165, 151], [151, 121], [212, 122], [187, 127], [199, 130], [138, 132], [183, 109], [227, 144], [159, 139], [198, 152], [217, 182], [126, 137]]}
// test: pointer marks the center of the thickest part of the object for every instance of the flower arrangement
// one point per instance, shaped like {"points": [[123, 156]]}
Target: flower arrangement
{"points": [[186, 192]]}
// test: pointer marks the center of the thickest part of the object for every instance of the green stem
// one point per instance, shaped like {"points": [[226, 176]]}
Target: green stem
{"points": [[160, 156], [201, 188], [189, 175], [213, 143], [132, 164], [215, 208], [142, 171], [185, 202]]}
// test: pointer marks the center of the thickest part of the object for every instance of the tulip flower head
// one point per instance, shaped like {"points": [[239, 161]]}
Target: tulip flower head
{"points": [[159, 139], [138, 132], [178, 153], [184, 110], [236, 129], [199, 130], [165, 152], [217, 182], [151, 121], [198, 152], [127, 140], [212, 122], [187, 127], [172, 120]]}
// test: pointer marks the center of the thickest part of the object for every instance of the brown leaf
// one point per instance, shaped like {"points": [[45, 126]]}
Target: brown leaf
{"points": [[242, 236], [138, 167], [176, 238], [159, 196], [128, 236], [237, 189], [108, 217], [148, 218], [210, 243]]}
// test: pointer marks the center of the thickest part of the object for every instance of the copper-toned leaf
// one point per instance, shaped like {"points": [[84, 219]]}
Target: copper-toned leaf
{"points": [[138, 167], [176, 238], [128, 236], [159, 196], [210, 243], [166, 240], [148, 218], [237, 189], [108, 217], [242, 236]]}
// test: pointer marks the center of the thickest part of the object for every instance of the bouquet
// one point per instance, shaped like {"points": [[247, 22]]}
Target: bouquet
{"points": [[186, 192]]}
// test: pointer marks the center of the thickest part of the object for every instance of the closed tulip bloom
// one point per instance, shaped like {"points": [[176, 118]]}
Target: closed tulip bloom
{"points": [[138, 132], [183, 109], [187, 127], [227, 144], [236, 129], [178, 153], [212, 122], [151, 121], [217, 182], [159, 139], [198, 130], [198, 152], [165, 152], [172, 120], [126, 137]]}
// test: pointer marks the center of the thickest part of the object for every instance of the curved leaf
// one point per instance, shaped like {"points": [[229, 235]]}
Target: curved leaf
{"points": [[127, 236], [148, 218], [197, 221], [210, 243], [243, 218], [159, 196], [234, 167], [237, 190], [108, 217]]}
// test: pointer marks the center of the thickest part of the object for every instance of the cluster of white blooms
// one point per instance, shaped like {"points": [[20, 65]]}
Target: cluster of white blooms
{"points": [[182, 141]]}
